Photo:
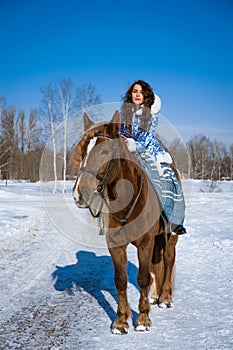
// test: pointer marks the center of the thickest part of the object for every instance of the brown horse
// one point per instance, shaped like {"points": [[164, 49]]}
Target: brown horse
{"points": [[113, 186]]}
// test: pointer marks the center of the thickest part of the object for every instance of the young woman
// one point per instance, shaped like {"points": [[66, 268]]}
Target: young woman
{"points": [[138, 128]]}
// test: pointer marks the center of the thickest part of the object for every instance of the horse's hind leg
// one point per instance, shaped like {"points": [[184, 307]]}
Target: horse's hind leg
{"points": [[165, 298], [145, 249], [119, 258]]}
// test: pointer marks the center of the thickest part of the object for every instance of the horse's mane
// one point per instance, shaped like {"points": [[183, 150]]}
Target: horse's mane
{"points": [[104, 128]]}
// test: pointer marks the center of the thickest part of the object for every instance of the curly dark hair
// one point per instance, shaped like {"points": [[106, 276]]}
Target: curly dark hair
{"points": [[129, 107]]}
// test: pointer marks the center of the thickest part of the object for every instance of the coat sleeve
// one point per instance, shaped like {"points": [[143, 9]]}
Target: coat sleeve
{"points": [[146, 140]]}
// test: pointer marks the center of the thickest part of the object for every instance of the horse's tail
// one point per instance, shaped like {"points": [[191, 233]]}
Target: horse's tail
{"points": [[157, 268]]}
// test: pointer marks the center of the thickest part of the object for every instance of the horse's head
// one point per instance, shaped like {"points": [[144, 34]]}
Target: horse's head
{"points": [[97, 154]]}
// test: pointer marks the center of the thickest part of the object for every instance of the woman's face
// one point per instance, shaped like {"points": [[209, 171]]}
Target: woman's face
{"points": [[137, 94]]}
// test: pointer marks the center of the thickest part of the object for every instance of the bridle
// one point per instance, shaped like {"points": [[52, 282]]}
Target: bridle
{"points": [[101, 186]]}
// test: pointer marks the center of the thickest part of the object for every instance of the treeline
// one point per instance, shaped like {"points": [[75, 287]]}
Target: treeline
{"points": [[23, 137], [210, 159], [20, 144], [203, 159]]}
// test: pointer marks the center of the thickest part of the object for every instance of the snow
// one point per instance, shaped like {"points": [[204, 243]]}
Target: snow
{"points": [[57, 289]]}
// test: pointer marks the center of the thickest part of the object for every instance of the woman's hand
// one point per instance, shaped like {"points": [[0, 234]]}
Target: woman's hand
{"points": [[125, 140], [130, 143]]}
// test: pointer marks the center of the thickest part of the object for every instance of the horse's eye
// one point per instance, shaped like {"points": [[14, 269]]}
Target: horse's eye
{"points": [[105, 151]]}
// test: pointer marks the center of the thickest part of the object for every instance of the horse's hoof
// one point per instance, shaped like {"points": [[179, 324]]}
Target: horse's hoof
{"points": [[153, 301], [142, 328], [120, 331], [165, 304]]}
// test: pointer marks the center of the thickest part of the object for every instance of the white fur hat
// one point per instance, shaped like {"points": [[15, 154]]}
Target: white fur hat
{"points": [[155, 108]]}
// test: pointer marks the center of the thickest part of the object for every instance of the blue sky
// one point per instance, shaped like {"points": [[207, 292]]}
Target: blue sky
{"points": [[183, 49]]}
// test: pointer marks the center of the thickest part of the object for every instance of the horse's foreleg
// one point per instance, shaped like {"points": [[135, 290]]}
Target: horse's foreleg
{"points": [[165, 299], [119, 258], [143, 322]]}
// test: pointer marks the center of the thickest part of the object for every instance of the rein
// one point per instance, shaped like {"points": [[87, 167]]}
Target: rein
{"points": [[101, 186], [125, 220]]}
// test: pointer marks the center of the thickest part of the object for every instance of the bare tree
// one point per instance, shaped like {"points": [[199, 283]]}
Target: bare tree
{"points": [[199, 151], [231, 155], [86, 96], [22, 129], [33, 147], [22, 132], [9, 152], [48, 111], [218, 153], [63, 101], [60, 100], [32, 130], [2, 108], [227, 164]]}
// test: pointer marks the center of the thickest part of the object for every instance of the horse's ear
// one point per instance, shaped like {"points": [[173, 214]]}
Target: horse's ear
{"points": [[87, 122], [116, 122]]}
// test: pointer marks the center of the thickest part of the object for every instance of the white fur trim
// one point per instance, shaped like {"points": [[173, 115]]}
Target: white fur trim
{"points": [[131, 145], [139, 111], [159, 168], [155, 108], [164, 158]]}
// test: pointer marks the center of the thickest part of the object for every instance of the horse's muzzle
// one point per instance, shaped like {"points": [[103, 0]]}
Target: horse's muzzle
{"points": [[81, 198]]}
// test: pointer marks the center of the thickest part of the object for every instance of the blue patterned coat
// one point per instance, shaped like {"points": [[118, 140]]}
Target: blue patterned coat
{"points": [[144, 140], [161, 175]]}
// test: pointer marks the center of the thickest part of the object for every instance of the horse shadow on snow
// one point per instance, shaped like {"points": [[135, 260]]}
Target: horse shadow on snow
{"points": [[95, 275]]}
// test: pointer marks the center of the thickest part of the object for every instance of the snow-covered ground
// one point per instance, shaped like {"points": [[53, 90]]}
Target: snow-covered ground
{"points": [[57, 289]]}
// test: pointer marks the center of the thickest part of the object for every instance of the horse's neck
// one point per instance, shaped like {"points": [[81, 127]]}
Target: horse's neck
{"points": [[131, 171]]}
